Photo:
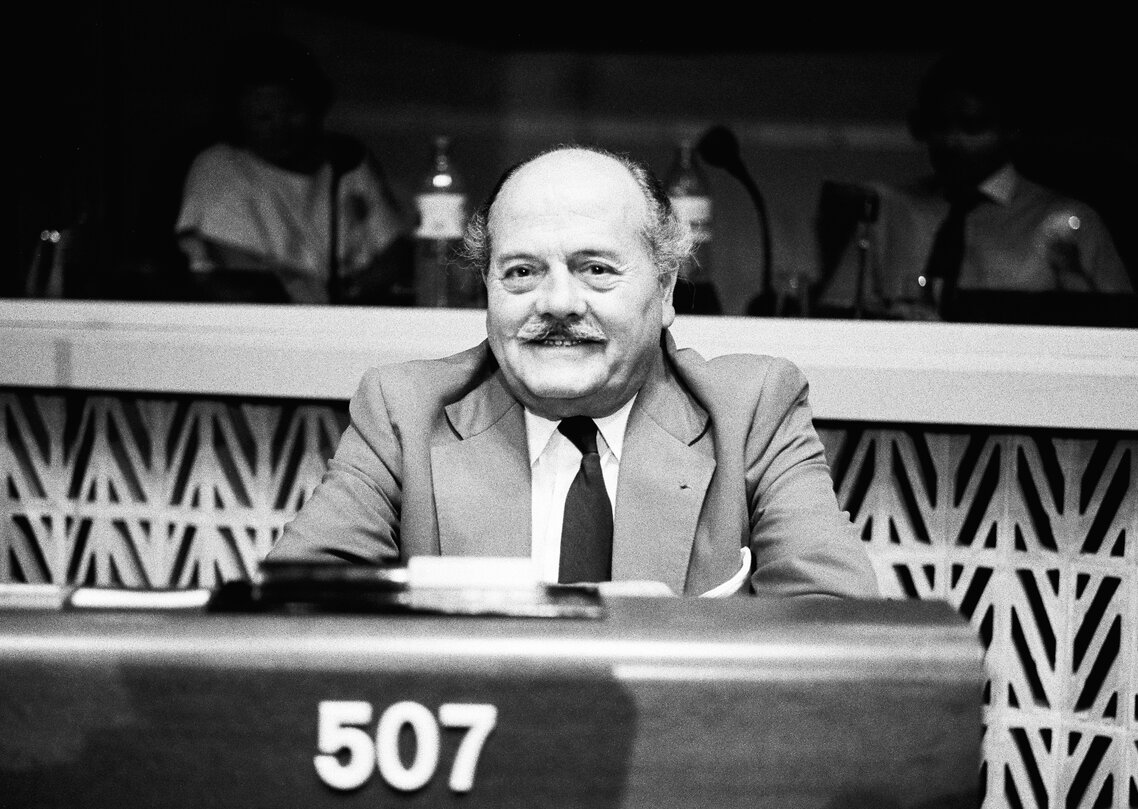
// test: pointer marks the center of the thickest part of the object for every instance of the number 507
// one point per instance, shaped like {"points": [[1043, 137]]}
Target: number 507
{"points": [[338, 730]]}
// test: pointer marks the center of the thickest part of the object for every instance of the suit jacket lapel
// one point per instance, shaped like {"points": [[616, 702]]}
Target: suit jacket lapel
{"points": [[663, 483], [482, 481]]}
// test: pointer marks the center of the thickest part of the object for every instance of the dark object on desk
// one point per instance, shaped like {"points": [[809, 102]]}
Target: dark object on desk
{"points": [[1058, 308], [330, 588]]}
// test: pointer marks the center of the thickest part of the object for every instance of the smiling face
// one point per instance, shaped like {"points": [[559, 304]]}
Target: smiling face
{"points": [[575, 304]]}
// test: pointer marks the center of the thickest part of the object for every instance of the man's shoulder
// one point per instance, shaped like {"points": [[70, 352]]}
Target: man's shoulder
{"points": [[728, 376], [430, 378], [744, 363], [459, 364]]}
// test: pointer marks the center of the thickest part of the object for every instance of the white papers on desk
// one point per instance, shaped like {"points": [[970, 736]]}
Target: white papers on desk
{"points": [[657, 588], [116, 598]]}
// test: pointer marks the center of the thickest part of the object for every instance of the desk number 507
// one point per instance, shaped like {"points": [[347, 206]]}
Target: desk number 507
{"points": [[338, 731]]}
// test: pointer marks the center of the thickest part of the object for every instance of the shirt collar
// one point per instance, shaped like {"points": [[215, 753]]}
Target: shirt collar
{"points": [[540, 430], [1000, 185]]}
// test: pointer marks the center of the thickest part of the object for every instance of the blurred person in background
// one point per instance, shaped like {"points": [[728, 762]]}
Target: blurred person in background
{"points": [[281, 210], [975, 222]]}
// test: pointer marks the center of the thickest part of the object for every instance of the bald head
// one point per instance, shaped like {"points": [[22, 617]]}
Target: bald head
{"points": [[587, 182], [665, 235]]}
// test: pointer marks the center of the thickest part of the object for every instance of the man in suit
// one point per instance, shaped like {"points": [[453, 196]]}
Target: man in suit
{"points": [[974, 223], [704, 463]]}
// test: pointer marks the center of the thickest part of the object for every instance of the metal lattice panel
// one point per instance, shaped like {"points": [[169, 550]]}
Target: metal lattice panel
{"points": [[153, 492], [1031, 535]]}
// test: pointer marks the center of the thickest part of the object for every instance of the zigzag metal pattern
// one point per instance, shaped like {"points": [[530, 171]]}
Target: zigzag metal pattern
{"points": [[153, 492], [1032, 536]]}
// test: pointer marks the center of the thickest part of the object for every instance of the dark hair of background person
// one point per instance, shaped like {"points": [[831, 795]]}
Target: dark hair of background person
{"points": [[987, 77], [257, 60]]}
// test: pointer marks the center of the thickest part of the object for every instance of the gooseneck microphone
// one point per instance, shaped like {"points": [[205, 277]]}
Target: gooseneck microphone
{"points": [[719, 147]]}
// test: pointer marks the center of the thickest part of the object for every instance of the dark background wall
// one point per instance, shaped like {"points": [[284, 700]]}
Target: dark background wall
{"points": [[114, 98]]}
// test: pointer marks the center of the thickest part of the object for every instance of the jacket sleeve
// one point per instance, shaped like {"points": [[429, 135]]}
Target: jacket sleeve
{"points": [[354, 512], [803, 543]]}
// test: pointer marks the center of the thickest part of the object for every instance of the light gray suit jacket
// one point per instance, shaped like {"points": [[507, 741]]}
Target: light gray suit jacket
{"points": [[718, 455]]}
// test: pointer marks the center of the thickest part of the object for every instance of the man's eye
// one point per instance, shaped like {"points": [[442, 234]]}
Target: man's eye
{"points": [[519, 278], [599, 275]]}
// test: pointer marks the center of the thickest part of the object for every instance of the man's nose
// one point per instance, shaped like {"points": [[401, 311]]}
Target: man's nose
{"points": [[559, 294]]}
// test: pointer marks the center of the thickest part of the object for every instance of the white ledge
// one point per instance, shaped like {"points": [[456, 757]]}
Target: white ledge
{"points": [[929, 373]]}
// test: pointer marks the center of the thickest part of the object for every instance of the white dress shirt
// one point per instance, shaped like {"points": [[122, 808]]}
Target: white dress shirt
{"points": [[554, 462]]}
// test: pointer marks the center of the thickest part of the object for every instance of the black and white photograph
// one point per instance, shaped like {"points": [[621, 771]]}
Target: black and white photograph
{"points": [[589, 408]]}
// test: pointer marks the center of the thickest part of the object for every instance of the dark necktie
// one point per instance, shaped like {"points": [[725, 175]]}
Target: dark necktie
{"points": [[948, 251], [586, 531]]}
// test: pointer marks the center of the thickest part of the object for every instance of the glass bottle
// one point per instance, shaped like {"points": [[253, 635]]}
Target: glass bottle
{"points": [[440, 280], [688, 189], [57, 261]]}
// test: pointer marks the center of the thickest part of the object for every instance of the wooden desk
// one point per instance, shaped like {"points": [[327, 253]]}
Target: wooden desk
{"points": [[661, 703]]}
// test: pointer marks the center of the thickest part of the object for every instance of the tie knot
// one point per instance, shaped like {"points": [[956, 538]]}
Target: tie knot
{"points": [[582, 431]]}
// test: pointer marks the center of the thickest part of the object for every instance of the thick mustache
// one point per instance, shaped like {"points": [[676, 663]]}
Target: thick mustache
{"points": [[538, 330]]}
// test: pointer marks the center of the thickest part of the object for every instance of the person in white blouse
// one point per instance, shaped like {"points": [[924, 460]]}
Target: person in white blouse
{"points": [[280, 209]]}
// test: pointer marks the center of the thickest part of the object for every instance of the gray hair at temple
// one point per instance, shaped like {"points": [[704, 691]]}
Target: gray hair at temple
{"points": [[668, 238]]}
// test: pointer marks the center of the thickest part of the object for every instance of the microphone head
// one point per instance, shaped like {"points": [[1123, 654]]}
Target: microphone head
{"points": [[719, 147]]}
